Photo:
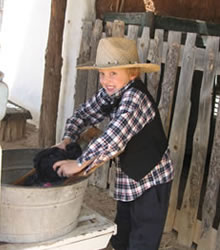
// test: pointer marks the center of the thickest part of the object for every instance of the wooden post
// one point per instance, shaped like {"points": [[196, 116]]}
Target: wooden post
{"points": [[52, 75]]}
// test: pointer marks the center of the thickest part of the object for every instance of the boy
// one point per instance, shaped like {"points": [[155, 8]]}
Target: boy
{"points": [[144, 172]]}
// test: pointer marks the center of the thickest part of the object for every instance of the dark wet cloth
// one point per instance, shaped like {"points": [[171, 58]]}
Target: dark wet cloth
{"points": [[44, 161]]}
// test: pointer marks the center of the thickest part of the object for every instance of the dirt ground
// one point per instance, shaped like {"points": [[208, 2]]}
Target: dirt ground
{"points": [[95, 198]]}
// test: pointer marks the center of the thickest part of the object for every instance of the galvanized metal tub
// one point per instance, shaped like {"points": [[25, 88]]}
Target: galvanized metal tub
{"points": [[33, 214]]}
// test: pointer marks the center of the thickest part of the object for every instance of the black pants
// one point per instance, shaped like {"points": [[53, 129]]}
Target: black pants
{"points": [[140, 222]]}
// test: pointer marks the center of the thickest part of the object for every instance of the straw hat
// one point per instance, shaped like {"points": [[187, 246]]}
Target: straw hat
{"points": [[118, 53]]}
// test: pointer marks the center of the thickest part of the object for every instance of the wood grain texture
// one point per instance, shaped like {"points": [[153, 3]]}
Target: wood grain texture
{"points": [[169, 79], [191, 197], [155, 56], [178, 132], [52, 75], [84, 55]]}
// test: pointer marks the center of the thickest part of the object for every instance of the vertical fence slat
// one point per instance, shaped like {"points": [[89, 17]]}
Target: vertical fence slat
{"points": [[108, 29], [95, 179], [118, 30], [180, 123], [143, 44], [93, 74], [155, 56], [100, 177], [111, 179], [212, 189], [190, 204], [217, 247], [133, 32], [84, 54], [169, 79]]}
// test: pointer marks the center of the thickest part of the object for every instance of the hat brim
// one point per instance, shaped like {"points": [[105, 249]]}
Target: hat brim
{"points": [[144, 67]]}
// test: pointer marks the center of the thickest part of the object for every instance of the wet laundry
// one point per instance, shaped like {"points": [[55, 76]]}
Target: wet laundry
{"points": [[43, 163]]}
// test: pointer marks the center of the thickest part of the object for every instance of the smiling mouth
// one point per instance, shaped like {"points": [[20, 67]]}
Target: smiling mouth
{"points": [[109, 88]]}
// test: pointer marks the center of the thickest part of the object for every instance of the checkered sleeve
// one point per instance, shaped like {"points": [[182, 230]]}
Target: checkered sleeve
{"points": [[134, 111], [88, 114]]}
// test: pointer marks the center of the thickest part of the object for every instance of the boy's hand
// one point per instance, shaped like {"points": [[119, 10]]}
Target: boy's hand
{"points": [[67, 168]]}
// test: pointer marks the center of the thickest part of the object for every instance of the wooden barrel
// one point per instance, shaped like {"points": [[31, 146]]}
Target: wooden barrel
{"points": [[33, 214]]}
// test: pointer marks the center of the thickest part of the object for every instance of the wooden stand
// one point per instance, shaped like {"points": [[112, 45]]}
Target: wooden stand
{"points": [[13, 126]]}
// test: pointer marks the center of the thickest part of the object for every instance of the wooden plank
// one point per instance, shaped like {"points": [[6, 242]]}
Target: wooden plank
{"points": [[108, 29], [169, 79], [143, 44], [211, 239], [100, 176], [0, 170], [217, 246], [92, 84], [118, 28], [111, 178], [84, 55], [14, 111], [199, 65], [12, 130], [132, 32], [181, 116], [166, 22], [139, 18], [187, 25], [212, 188], [2, 126], [190, 204], [155, 54], [127, 18]]}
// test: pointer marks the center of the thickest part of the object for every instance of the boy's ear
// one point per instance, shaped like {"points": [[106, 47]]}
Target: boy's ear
{"points": [[132, 77]]}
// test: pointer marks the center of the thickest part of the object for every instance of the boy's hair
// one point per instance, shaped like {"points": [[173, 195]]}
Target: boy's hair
{"points": [[134, 71]]}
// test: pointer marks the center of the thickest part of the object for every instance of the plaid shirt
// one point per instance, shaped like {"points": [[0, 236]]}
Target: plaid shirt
{"points": [[126, 120]]}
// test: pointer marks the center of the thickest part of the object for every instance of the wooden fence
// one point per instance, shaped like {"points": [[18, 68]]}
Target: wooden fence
{"points": [[183, 99]]}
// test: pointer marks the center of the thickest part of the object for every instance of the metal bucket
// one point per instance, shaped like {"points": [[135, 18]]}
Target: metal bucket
{"points": [[33, 214]]}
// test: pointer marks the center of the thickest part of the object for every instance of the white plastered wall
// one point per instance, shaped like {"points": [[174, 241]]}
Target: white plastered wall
{"points": [[23, 43], [72, 39]]}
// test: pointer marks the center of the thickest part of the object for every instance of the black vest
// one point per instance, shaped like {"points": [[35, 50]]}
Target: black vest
{"points": [[145, 149]]}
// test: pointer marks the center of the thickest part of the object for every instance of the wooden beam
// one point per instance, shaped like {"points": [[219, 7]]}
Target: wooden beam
{"points": [[52, 75]]}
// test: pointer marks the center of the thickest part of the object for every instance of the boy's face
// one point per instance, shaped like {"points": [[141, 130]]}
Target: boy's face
{"points": [[113, 80]]}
